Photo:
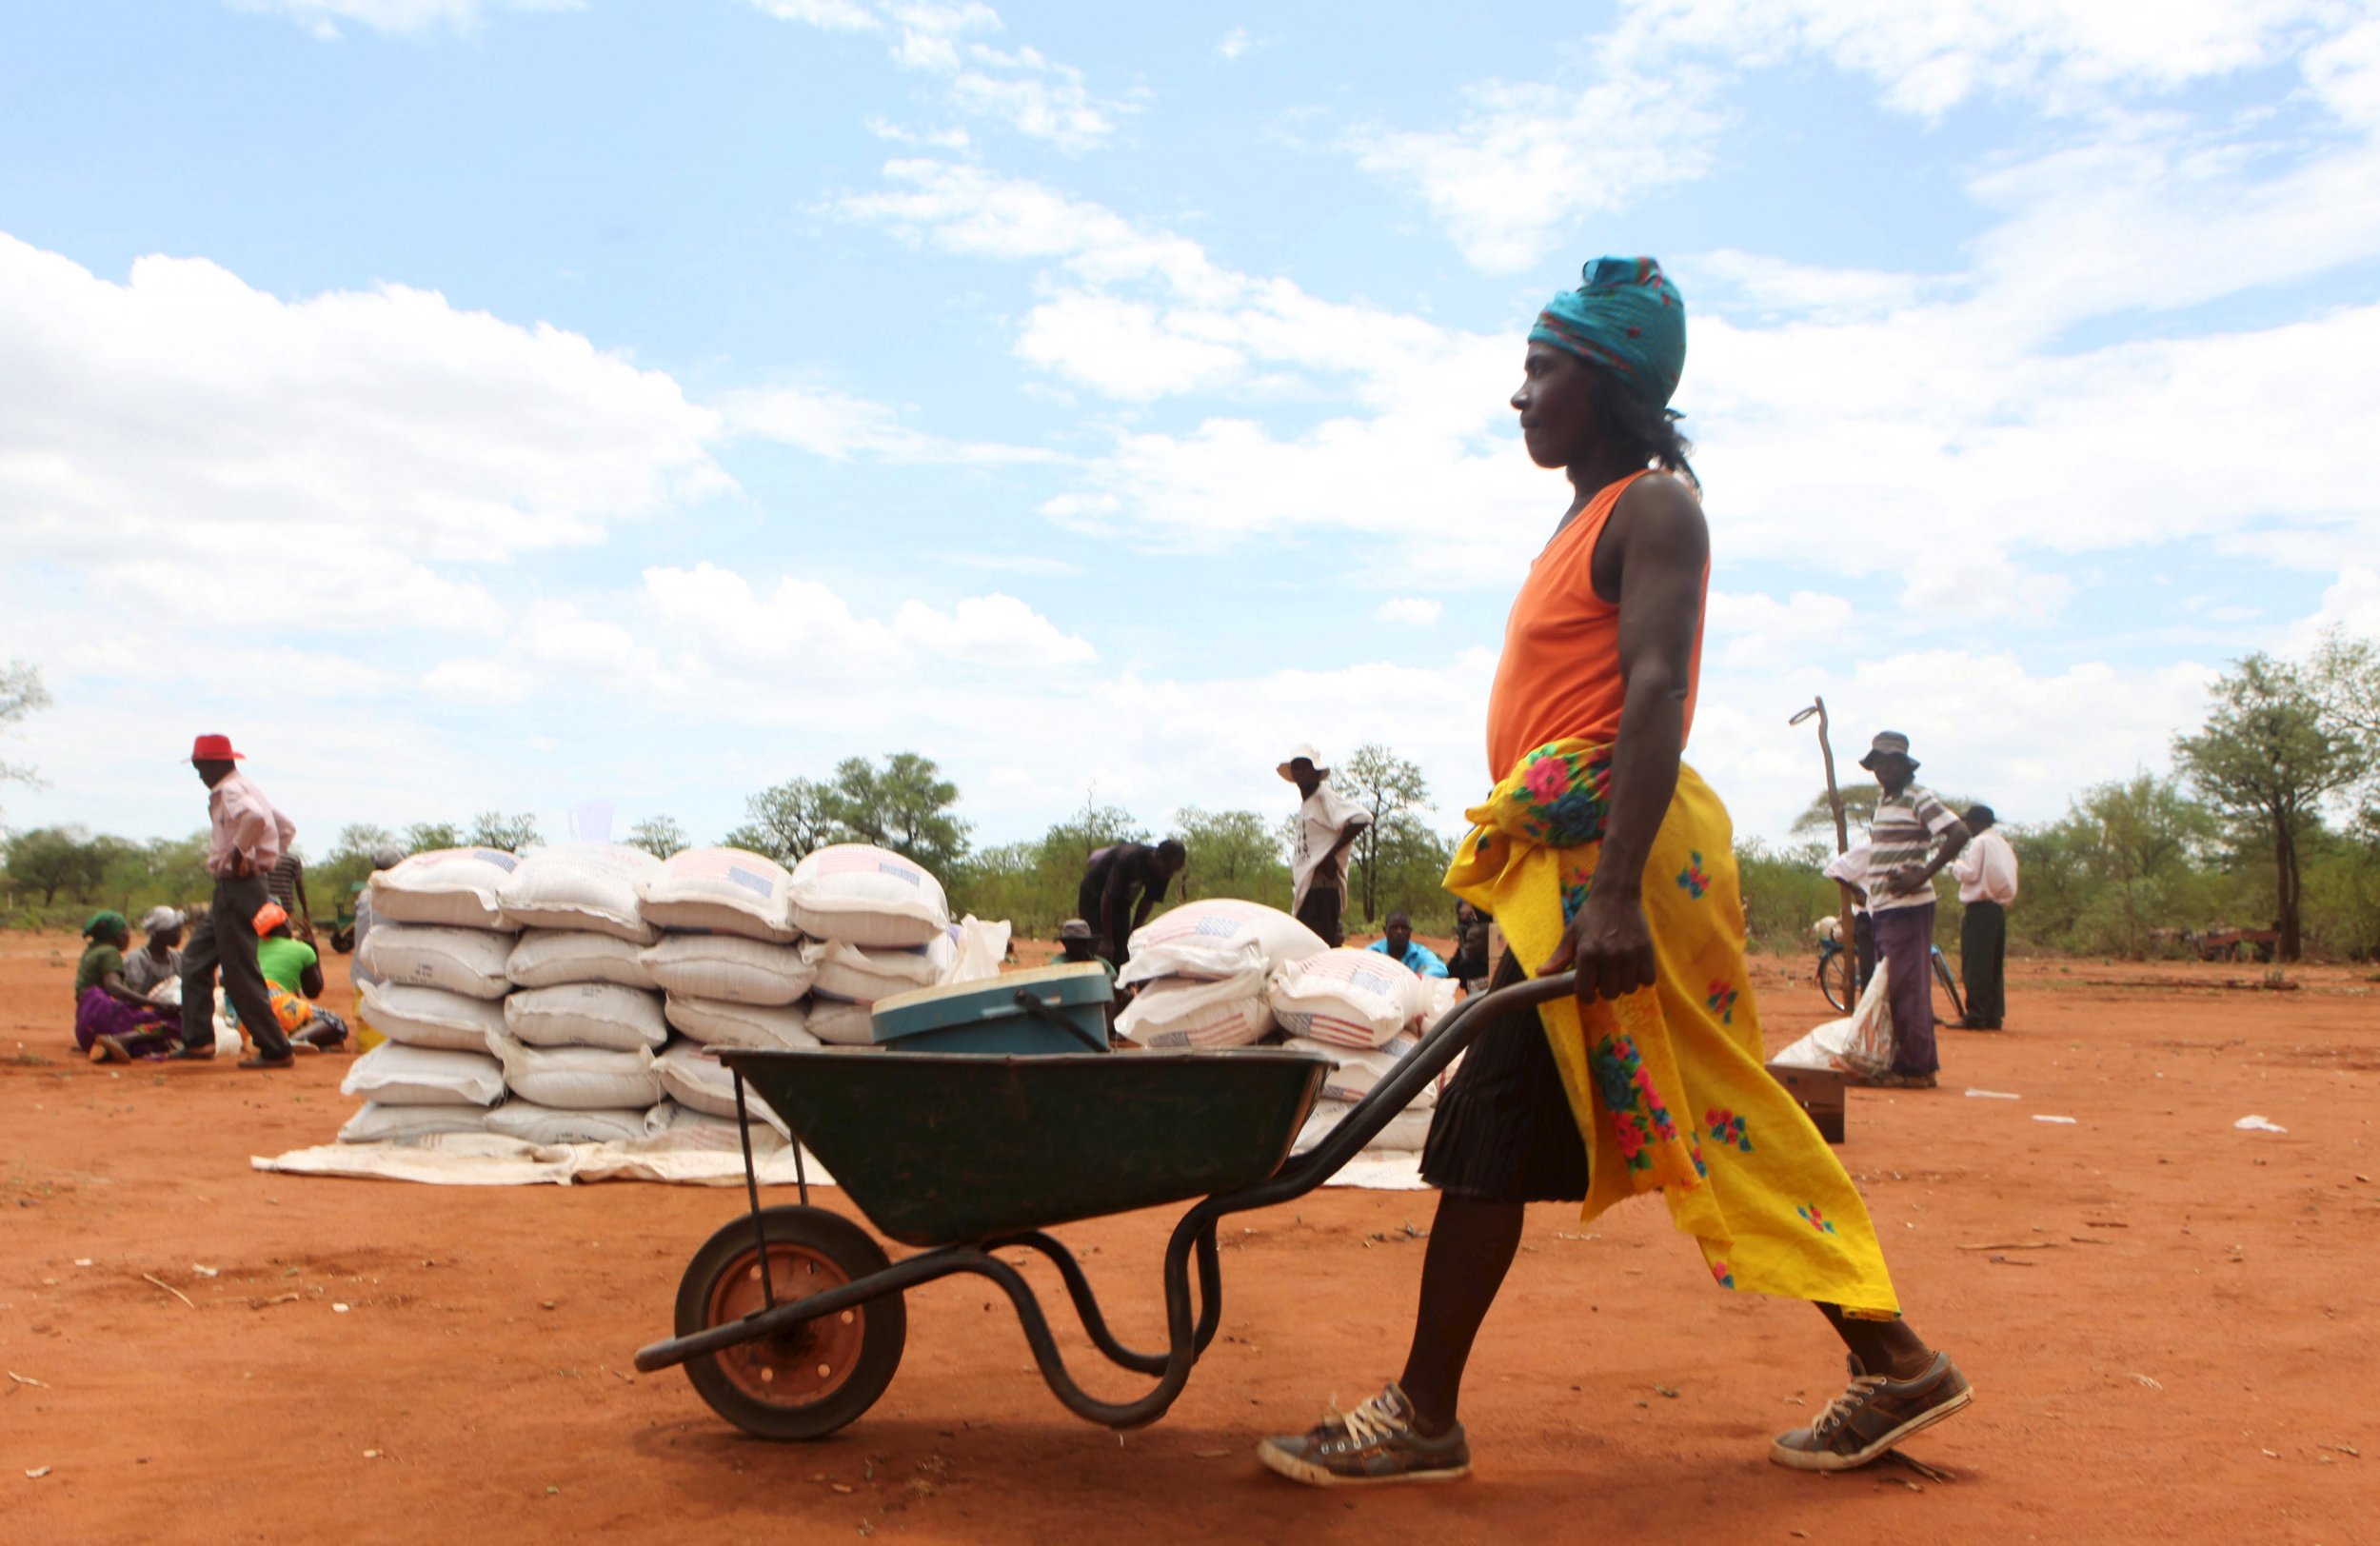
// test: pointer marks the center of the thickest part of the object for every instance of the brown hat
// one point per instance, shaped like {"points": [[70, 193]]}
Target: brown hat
{"points": [[1887, 743]]}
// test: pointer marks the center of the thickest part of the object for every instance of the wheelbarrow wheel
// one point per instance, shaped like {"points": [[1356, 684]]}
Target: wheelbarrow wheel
{"points": [[823, 1374]]}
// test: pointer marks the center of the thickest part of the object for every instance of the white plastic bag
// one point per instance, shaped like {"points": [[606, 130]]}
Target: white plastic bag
{"points": [[722, 1024], [554, 958], [729, 967], [718, 891], [456, 886], [1218, 939], [1873, 1046], [588, 1015], [867, 895], [1822, 1048], [589, 886], [981, 948], [432, 1017], [396, 1075], [470, 962], [1186, 1012], [1347, 998]]}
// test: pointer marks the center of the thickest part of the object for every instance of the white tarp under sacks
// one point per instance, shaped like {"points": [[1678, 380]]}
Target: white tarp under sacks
{"points": [[533, 1123], [700, 1132], [432, 1017], [718, 891], [857, 975], [692, 1078], [588, 1015], [867, 895], [470, 962], [841, 1024], [1218, 939], [553, 958], [455, 886], [579, 1079], [376, 1123], [719, 1024], [1347, 998], [1182, 1012], [581, 885], [730, 967], [396, 1075]]}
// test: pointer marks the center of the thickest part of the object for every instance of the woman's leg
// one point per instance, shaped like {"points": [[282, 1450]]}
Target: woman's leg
{"points": [[1882, 1347], [1471, 1248]]}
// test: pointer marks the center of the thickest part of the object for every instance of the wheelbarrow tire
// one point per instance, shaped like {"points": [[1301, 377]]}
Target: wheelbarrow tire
{"points": [[822, 1376]]}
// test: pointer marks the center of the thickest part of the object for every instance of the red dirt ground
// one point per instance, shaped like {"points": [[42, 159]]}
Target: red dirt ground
{"points": [[2187, 1357]]}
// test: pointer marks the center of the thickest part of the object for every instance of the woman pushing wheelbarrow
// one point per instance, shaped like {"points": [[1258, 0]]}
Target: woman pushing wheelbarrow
{"points": [[1603, 854]]}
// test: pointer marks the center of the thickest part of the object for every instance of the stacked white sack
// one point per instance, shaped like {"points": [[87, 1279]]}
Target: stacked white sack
{"points": [[879, 926], [440, 947], [1367, 1014], [731, 963], [726, 990], [1200, 972]]}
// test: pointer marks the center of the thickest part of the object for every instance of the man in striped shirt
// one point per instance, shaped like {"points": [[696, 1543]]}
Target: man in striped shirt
{"points": [[1909, 821]]}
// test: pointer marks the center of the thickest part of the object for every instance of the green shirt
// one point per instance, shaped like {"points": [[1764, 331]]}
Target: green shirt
{"points": [[284, 962], [93, 968]]}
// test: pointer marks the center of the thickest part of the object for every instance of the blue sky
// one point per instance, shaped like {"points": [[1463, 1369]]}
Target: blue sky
{"points": [[478, 405]]}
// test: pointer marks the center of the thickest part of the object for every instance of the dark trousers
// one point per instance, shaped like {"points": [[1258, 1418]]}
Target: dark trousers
{"points": [[1904, 937], [1323, 911], [1983, 963], [224, 937]]}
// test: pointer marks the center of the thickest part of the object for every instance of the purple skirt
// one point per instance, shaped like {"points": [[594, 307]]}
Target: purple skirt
{"points": [[99, 1012]]}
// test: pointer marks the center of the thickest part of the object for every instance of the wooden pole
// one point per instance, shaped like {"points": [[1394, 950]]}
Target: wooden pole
{"points": [[1842, 846]]}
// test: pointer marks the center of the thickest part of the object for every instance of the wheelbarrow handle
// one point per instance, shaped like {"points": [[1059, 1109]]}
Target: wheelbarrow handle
{"points": [[1363, 1122]]}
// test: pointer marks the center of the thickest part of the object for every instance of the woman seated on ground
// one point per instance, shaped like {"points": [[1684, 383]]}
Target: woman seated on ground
{"points": [[113, 1021], [156, 968], [293, 978]]}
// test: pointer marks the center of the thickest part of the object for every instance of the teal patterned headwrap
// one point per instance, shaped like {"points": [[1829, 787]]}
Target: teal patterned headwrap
{"points": [[1626, 318]]}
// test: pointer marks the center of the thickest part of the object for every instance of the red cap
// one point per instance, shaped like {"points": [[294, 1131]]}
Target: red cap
{"points": [[214, 749]]}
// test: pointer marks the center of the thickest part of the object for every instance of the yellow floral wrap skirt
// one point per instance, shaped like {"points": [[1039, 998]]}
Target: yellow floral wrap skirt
{"points": [[1666, 1084]]}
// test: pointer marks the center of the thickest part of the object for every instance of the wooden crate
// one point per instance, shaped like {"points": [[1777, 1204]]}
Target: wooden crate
{"points": [[1817, 1091]]}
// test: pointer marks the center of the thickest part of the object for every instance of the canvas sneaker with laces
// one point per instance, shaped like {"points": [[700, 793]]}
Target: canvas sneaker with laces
{"points": [[1872, 1415], [1376, 1442]]}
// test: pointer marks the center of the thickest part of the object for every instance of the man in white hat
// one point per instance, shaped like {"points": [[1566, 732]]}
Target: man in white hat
{"points": [[1327, 824]]}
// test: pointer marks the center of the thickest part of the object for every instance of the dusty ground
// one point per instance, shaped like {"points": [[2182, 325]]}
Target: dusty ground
{"points": [[2185, 1354]]}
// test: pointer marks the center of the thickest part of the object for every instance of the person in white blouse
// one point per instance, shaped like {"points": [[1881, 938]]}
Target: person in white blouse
{"points": [[1986, 872]]}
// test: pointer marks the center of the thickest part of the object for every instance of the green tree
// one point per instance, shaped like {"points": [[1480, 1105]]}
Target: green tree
{"points": [[660, 836], [2268, 755], [905, 807], [2140, 837], [1817, 818], [421, 837], [55, 859], [786, 821], [494, 829], [1392, 790], [21, 695], [1233, 852], [360, 839]]}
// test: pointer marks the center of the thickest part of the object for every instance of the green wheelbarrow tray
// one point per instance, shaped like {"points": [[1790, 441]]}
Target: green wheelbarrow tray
{"points": [[939, 1149], [790, 1321]]}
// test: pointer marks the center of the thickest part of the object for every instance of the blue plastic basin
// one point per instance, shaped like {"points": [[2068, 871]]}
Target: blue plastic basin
{"points": [[984, 1016]]}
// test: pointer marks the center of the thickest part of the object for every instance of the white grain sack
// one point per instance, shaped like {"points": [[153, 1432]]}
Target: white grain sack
{"points": [[533, 1123], [581, 885], [857, 975], [588, 1015], [692, 1078], [553, 958], [579, 1079], [1217, 939], [470, 962], [456, 886], [432, 1017], [1347, 998], [378, 1123], [718, 891], [719, 1024], [730, 967], [685, 1128], [396, 1075], [867, 895], [1184, 1012], [841, 1024]]}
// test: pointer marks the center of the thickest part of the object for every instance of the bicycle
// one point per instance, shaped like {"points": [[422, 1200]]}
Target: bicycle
{"points": [[1835, 978]]}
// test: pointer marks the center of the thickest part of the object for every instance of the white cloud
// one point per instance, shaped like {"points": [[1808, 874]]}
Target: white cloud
{"points": [[839, 425], [399, 17], [1420, 611], [1234, 43], [182, 424]]}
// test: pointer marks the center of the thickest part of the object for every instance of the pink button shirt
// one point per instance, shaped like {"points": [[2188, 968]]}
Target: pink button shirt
{"points": [[244, 822]]}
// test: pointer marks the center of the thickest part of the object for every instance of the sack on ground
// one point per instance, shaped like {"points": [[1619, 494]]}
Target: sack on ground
{"points": [[857, 975], [470, 962], [533, 1123], [579, 1079], [1824, 1047], [867, 895], [579, 885], [1186, 1012], [1358, 1071], [459, 888], [693, 1078], [1218, 939], [432, 1016], [718, 891], [683, 1127], [730, 967], [717, 1023], [1347, 998], [553, 958], [378, 1123], [397, 1075], [588, 1015]]}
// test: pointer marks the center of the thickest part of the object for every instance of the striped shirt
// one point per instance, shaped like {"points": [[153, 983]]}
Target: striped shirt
{"points": [[1903, 833]]}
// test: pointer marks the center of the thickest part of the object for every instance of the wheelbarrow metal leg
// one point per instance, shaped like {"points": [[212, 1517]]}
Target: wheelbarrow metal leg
{"points": [[752, 1194], [1094, 1322]]}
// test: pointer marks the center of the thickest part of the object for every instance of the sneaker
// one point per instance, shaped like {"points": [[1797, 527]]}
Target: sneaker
{"points": [[1872, 1415], [1374, 1443]]}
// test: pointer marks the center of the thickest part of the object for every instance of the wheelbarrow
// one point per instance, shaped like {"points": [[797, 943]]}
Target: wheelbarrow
{"points": [[790, 1321]]}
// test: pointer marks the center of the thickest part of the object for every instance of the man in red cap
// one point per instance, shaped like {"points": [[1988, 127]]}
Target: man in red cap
{"points": [[247, 838]]}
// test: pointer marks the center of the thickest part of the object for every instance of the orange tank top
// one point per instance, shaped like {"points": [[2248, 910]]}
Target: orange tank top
{"points": [[1559, 676]]}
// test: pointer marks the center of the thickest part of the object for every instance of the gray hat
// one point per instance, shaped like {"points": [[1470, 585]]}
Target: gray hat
{"points": [[1075, 929], [1887, 743], [160, 920]]}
